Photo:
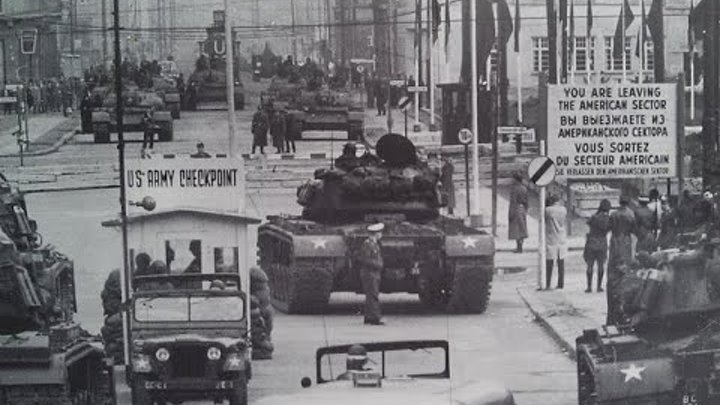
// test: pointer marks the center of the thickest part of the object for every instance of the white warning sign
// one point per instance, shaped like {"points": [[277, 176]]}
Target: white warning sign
{"points": [[613, 130], [183, 182]]}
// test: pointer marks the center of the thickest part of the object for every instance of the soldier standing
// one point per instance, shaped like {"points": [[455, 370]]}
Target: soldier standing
{"points": [[370, 261], [260, 126], [622, 225], [644, 223]]}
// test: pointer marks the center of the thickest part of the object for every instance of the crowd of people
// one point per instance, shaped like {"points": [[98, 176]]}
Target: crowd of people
{"points": [[59, 94]]}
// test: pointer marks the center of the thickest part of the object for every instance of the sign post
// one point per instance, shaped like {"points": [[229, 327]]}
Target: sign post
{"points": [[465, 137], [403, 104], [541, 172]]}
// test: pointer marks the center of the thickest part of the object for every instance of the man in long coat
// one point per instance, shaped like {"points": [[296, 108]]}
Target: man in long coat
{"points": [[517, 213], [278, 130], [260, 126], [622, 225]]}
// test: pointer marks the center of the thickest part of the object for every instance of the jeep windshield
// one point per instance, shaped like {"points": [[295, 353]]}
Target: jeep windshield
{"points": [[189, 309]]}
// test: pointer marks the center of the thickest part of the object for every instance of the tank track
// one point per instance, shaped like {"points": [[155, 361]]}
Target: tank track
{"points": [[471, 285], [304, 287]]}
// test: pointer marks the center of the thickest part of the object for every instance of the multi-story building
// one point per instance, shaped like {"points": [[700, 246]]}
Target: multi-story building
{"points": [[42, 19]]}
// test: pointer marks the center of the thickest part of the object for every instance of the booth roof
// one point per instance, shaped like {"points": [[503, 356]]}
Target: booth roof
{"points": [[214, 214]]}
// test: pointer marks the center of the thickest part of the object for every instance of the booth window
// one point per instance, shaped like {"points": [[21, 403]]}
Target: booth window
{"points": [[226, 259], [183, 255]]}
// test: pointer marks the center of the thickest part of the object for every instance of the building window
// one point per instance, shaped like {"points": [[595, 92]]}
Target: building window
{"points": [[584, 54], [649, 61], [616, 64], [541, 54]]}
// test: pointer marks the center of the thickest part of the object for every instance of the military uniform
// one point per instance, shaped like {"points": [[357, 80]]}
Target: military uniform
{"points": [[644, 225], [622, 225], [370, 261]]}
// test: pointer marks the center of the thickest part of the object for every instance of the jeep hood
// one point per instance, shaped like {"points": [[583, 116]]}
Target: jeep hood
{"points": [[398, 392], [160, 338]]}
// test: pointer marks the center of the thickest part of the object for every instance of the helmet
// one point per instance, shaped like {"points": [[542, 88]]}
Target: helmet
{"points": [[356, 357]]}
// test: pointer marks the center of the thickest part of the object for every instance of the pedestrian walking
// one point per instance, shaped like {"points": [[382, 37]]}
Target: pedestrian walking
{"points": [[380, 98], [149, 130], [278, 130], [290, 132], [370, 262], [370, 91], [260, 126], [622, 226], [596, 244], [447, 169], [555, 240], [517, 212], [644, 222]]}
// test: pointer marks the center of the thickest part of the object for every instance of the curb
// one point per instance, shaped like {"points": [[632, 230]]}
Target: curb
{"points": [[57, 145], [568, 348]]}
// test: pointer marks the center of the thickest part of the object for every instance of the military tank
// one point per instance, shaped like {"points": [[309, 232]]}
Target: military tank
{"points": [[165, 85], [207, 88], [666, 348], [45, 357], [307, 257], [326, 110], [136, 104]]}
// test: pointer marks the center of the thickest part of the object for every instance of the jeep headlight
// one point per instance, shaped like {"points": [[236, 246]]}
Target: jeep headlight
{"points": [[162, 354], [141, 363], [214, 354]]}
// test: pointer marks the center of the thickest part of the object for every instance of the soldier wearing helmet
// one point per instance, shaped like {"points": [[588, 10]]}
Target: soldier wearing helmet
{"points": [[356, 361], [370, 261]]}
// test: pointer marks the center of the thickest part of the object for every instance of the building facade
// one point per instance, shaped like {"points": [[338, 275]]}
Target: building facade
{"points": [[591, 60]]}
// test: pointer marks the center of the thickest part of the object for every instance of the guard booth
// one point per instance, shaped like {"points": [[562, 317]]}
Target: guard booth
{"points": [[457, 112], [188, 212]]}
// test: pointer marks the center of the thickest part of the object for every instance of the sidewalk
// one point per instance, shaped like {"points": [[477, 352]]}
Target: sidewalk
{"points": [[45, 130], [566, 313]]}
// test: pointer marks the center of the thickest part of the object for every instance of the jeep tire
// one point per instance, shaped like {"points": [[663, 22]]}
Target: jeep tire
{"points": [[239, 394]]}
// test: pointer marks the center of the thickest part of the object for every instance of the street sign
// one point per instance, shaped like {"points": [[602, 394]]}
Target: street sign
{"points": [[465, 136], [526, 134], [417, 89], [8, 100], [404, 102], [360, 68], [616, 131], [541, 171], [397, 83], [28, 39]]}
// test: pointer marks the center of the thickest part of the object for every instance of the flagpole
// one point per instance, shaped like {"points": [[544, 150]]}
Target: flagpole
{"points": [[572, 41], [431, 68], [474, 102], [642, 41], [589, 45], [622, 44], [558, 49], [691, 38], [519, 65], [418, 38]]}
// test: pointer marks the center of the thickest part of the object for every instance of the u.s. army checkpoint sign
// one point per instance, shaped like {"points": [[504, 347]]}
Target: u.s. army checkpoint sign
{"points": [[613, 130], [184, 182]]}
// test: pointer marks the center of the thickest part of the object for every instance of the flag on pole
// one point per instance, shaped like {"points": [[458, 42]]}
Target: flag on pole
{"points": [[589, 20], [435, 20], [642, 36], [624, 21], [517, 25], [447, 27], [505, 22]]}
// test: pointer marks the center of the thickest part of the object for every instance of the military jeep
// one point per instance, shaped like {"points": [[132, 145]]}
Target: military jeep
{"points": [[188, 339]]}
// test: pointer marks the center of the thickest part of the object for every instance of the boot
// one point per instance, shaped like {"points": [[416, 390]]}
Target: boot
{"points": [[548, 273], [561, 274], [519, 246], [588, 276]]}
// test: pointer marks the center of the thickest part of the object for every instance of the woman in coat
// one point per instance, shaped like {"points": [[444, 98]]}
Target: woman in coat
{"points": [[596, 244], [517, 213]]}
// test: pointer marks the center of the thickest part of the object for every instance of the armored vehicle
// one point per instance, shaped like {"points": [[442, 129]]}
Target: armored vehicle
{"points": [[401, 372], [165, 85], [137, 103], [310, 256], [183, 348], [327, 110], [45, 357], [666, 349], [207, 88]]}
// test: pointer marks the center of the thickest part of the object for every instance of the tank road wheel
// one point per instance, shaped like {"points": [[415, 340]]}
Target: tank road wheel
{"points": [[471, 285], [101, 133], [303, 288], [239, 394]]}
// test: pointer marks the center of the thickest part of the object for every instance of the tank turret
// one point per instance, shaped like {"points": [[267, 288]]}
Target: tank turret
{"points": [[393, 182]]}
